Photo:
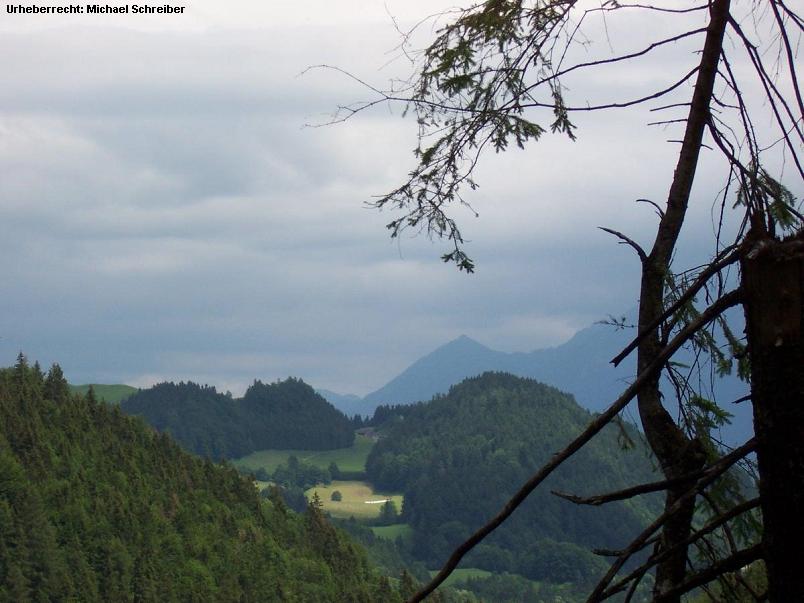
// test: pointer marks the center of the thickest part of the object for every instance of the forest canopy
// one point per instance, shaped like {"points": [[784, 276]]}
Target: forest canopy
{"points": [[97, 506], [285, 414], [460, 456]]}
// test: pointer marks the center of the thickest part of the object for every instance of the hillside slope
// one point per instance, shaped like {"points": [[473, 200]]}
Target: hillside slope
{"points": [[459, 457], [96, 506]]}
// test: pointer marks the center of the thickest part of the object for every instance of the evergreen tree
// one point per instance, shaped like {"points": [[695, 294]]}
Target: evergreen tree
{"points": [[56, 387], [388, 513], [96, 506], [407, 585]]}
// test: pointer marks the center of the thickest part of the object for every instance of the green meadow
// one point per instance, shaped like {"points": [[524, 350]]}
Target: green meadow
{"points": [[114, 394], [359, 500], [348, 459]]}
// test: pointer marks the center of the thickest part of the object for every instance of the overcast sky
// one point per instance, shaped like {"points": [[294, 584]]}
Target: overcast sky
{"points": [[166, 214]]}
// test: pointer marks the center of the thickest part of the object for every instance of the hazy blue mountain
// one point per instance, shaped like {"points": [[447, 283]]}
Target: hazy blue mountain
{"points": [[435, 373], [579, 366], [348, 404]]}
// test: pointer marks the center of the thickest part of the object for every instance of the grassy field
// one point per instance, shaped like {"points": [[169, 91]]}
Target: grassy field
{"points": [[398, 530], [355, 495], [462, 574], [113, 394], [347, 459]]}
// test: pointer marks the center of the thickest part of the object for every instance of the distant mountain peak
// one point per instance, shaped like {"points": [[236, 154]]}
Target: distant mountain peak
{"points": [[463, 342], [434, 373], [579, 366]]}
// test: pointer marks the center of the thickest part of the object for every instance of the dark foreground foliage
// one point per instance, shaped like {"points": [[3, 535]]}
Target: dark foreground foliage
{"points": [[97, 506]]}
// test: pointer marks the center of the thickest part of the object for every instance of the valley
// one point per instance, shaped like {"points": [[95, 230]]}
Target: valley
{"points": [[351, 459], [97, 506], [410, 480], [358, 498], [415, 479], [449, 463]]}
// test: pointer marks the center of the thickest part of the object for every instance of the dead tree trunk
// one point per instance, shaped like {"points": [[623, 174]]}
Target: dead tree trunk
{"points": [[773, 285], [677, 454]]}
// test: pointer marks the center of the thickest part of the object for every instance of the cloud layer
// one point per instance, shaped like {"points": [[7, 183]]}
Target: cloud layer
{"points": [[165, 214]]}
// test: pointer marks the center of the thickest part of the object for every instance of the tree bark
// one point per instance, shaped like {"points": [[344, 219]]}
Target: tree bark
{"points": [[773, 286]]}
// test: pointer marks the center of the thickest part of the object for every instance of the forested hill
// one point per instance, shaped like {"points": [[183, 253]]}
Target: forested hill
{"points": [[285, 414], [96, 506], [461, 456]]}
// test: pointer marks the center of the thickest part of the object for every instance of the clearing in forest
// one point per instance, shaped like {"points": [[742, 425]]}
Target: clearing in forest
{"points": [[357, 499]]}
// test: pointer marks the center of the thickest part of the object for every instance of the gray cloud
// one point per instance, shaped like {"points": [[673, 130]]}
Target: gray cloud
{"points": [[165, 214]]}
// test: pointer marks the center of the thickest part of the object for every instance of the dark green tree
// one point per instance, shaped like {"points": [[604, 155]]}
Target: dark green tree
{"points": [[388, 513], [334, 470], [56, 388], [91, 397], [407, 585]]}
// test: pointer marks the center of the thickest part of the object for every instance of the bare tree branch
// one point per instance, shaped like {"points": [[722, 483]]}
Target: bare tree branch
{"points": [[628, 241], [731, 564], [627, 493], [601, 592], [726, 258], [709, 528]]}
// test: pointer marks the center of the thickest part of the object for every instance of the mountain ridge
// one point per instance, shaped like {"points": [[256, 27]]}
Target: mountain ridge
{"points": [[588, 351], [580, 366]]}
